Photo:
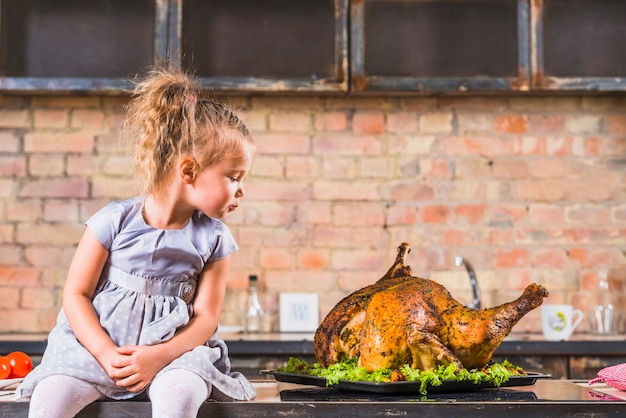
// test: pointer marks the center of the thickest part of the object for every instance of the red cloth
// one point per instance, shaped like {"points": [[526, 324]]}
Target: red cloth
{"points": [[614, 376]]}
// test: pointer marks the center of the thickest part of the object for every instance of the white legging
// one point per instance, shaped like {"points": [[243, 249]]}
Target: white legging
{"points": [[176, 393]]}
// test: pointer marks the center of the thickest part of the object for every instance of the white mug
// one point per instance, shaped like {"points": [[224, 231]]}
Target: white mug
{"points": [[558, 322]]}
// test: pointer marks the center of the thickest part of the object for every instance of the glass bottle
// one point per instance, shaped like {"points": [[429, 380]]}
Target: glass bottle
{"points": [[254, 310], [604, 317]]}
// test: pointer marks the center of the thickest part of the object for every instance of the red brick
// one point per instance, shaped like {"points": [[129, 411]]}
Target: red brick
{"points": [[268, 190], [339, 168], [269, 166], [313, 259], [510, 169], [342, 144], [472, 168], [615, 124], [436, 168], [457, 145], [357, 259], [109, 143], [368, 122], [331, 121], [528, 145], [546, 124], [111, 187], [9, 299], [472, 123], [500, 237], [9, 142], [511, 258], [402, 215], [436, 123], [300, 281], [12, 165], [14, 118], [58, 142], [57, 234], [454, 237], [277, 258], [46, 165], [359, 214], [24, 210], [290, 122], [61, 187], [471, 213], [60, 211], [410, 191], [543, 214], [87, 119], [579, 254], [411, 144], [37, 298], [435, 214], [314, 213], [256, 121], [547, 168], [549, 257], [402, 122], [349, 281], [505, 215], [50, 118], [345, 190], [293, 143], [376, 167], [589, 215], [545, 190], [347, 237], [10, 255], [18, 276], [302, 167], [559, 146], [273, 214], [7, 233], [43, 255], [511, 124]]}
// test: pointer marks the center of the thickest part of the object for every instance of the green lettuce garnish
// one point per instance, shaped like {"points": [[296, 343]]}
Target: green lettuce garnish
{"points": [[349, 370]]}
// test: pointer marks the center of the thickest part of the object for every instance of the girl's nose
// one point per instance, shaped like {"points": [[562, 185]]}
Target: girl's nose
{"points": [[240, 191]]}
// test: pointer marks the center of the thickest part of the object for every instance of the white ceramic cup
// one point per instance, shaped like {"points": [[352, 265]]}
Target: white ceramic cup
{"points": [[558, 322]]}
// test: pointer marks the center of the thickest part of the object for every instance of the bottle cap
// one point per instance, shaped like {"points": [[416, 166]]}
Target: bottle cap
{"points": [[252, 277]]}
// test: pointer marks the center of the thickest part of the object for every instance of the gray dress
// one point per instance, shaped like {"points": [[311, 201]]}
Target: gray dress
{"points": [[144, 295]]}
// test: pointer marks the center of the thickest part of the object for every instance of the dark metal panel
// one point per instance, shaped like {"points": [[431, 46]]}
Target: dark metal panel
{"points": [[269, 70], [65, 85], [161, 26], [543, 80], [363, 81], [523, 45], [175, 28]]}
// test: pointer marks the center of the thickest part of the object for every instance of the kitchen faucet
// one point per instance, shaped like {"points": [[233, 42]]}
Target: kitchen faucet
{"points": [[459, 261]]}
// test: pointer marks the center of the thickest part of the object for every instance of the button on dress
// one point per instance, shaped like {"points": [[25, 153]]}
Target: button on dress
{"points": [[143, 297]]}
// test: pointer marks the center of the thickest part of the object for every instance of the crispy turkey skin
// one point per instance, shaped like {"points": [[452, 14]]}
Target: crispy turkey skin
{"points": [[402, 319]]}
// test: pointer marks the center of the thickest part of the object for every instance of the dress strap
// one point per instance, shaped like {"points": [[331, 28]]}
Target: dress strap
{"points": [[185, 290]]}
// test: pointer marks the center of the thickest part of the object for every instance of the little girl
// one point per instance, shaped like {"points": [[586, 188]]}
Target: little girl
{"points": [[146, 285]]}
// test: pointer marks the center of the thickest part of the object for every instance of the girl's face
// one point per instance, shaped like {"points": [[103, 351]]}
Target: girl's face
{"points": [[217, 190]]}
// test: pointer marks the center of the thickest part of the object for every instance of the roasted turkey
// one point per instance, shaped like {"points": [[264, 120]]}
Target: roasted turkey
{"points": [[402, 319]]}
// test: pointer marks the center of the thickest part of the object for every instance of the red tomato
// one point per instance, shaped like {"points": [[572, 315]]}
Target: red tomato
{"points": [[5, 368], [21, 364]]}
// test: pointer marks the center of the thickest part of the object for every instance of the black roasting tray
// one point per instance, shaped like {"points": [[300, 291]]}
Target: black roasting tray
{"points": [[447, 386]]}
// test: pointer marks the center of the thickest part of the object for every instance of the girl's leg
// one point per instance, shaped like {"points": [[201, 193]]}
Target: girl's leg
{"points": [[61, 396], [178, 393]]}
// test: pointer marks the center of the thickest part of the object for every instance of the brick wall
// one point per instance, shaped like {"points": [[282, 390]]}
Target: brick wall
{"points": [[528, 189]]}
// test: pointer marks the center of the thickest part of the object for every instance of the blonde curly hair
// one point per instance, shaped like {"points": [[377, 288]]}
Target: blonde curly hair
{"points": [[171, 115]]}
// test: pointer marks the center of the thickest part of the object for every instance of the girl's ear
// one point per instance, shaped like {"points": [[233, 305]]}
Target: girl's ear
{"points": [[188, 170]]}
